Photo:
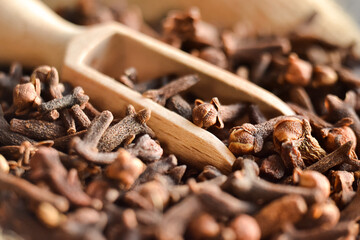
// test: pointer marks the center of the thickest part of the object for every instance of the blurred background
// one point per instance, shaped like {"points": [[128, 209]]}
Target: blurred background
{"points": [[335, 20]]}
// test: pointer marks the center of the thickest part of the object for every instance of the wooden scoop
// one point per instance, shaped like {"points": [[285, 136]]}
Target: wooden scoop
{"points": [[90, 57]]}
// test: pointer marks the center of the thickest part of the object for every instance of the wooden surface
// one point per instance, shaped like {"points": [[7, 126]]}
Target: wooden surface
{"points": [[32, 34], [94, 56]]}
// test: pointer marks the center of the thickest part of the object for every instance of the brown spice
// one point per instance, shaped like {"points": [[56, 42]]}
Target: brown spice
{"points": [[208, 114], [272, 217], [131, 125], [171, 89], [76, 97], [37, 129]]}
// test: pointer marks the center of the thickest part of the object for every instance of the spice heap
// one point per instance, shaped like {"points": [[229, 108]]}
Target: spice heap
{"points": [[70, 171]]}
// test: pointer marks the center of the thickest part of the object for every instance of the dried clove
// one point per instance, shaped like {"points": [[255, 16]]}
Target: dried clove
{"points": [[171, 89], [208, 114], [249, 138], [176, 219], [320, 215], [32, 192], [272, 217], [342, 229], [69, 121], [7, 137], [179, 105], [37, 129], [80, 117], [46, 165], [76, 97], [125, 168], [146, 149], [203, 226], [131, 125], [342, 182], [87, 147], [212, 196], [245, 227], [244, 185], [293, 140]]}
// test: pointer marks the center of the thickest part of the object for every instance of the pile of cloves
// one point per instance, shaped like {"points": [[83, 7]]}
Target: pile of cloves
{"points": [[71, 171]]}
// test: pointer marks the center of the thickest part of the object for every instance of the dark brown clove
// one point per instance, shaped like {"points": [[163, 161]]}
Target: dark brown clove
{"points": [[32, 192], [90, 110], [249, 138], [171, 89], [272, 167], [255, 114], [50, 77], [343, 229], [25, 97], [131, 125], [146, 149], [272, 217], [45, 165], [342, 182], [320, 215], [76, 97], [80, 117], [180, 106], [176, 219], [209, 172], [87, 147], [62, 143], [244, 185], [203, 226], [37, 129], [159, 167], [298, 71], [206, 115], [125, 169], [245, 227], [351, 211], [212, 197], [333, 159], [299, 96], [69, 121], [8, 137], [339, 109], [293, 140]]}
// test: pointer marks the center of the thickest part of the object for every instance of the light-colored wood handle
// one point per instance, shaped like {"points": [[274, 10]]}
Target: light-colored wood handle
{"points": [[32, 34]]}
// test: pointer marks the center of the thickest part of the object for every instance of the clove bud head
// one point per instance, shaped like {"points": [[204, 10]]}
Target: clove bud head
{"points": [[335, 137], [126, 168], [206, 115], [156, 193], [245, 228], [313, 179], [203, 227], [298, 71], [24, 97], [287, 130], [242, 139]]}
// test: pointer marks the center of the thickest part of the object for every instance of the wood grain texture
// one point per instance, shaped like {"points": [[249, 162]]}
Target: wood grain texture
{"points": [[33, 35]]}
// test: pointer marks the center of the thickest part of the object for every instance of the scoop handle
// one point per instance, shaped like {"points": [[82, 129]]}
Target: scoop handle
{"points": [[33, 34]]}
